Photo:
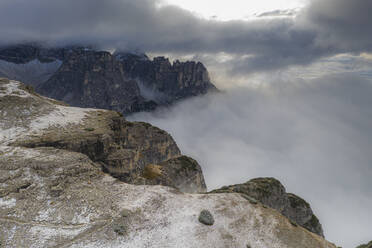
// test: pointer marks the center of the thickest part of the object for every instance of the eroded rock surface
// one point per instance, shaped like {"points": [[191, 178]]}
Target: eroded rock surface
{"points": [[122, 148], [57, 198], [86, 77], [182, 172], [272, 193], [167, 81]]}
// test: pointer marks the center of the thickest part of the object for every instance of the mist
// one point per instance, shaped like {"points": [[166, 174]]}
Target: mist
{"points": [[313, 135]]}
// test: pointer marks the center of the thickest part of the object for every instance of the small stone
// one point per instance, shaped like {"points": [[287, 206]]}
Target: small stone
{"points": [[125, 213], [119, 229], [206, 218]]}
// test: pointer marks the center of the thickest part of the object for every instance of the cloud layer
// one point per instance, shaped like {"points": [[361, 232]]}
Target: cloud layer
{"points": [[312, 135], [323, 28]]}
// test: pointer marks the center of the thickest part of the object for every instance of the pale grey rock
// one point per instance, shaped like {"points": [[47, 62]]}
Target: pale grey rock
{"points": [[206, 218]]}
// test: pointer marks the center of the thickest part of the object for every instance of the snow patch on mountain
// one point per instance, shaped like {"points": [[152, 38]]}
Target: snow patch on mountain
{"points": [[60, 116]]}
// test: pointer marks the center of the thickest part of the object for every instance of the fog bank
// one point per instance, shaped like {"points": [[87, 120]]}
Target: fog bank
{"points": [[313, 135]]}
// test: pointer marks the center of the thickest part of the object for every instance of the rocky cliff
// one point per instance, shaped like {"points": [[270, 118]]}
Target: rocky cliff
{"points": [[167, 82], [63, 183], [272, 193], [84, 77], [122, 148]]}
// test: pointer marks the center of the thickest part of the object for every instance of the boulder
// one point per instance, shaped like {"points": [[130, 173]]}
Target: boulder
{"points": [[206, 218]]}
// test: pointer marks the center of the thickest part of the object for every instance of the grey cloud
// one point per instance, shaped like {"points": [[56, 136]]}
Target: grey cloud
{"points": [[312, 135], [324, 28], [341, 23]]}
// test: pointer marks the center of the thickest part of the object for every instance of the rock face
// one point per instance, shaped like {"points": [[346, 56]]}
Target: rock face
{"points": [[88, 78], [122, 148], [53, 192], [181, 172], [272, 193], [167, 82], [84, 77]]}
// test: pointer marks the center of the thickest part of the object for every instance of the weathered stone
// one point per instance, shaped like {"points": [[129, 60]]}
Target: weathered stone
{"points": [[301, 213], [124, 82], [173, 173], [168, 82], [122, 148], [272, 193], [90, 211], [206, 218]]}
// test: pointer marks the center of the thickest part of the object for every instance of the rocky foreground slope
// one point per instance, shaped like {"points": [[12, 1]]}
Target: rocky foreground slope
{"points": [[54, 191], [84, 77]]}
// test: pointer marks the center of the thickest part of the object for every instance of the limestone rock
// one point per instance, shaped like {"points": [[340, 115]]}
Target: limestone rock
{"points": [[86, 77], [206, 218], [182, 172], [88, 210], [122, 148], [168, 82], [272, 193]]}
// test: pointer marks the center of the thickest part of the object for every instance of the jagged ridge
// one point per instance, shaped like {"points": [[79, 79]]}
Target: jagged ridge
{"points": [[125, 82]]}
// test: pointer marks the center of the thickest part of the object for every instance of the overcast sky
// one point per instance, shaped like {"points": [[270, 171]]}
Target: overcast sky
{"points": [[320, 29], [297, 80]]}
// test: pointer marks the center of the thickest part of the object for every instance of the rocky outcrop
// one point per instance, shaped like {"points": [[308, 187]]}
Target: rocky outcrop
{"points": [[369, 245], [85, 77], [181, 172], [56, 198], [272, 193], [53, 192], [88, 78], [167, 82], [122, 148]]}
